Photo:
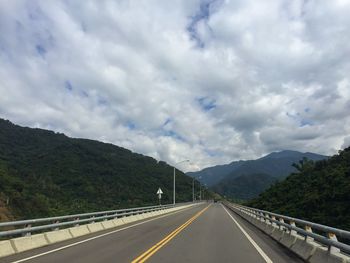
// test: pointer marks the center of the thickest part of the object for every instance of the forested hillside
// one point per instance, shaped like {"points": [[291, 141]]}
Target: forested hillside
{"points": [[244, 180], [320, 192], [245, 186], [44, 173], [213, 175]]}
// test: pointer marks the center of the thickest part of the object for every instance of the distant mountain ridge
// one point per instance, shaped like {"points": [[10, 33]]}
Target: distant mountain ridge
{"points": [[265, 170], [215, 174]]}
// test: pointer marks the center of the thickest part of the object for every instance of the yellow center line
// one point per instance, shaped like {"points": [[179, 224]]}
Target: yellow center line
{"points": [[148, 253]]}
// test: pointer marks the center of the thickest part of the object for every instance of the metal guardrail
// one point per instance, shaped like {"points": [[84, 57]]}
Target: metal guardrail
{"points": [[54, 223], [300, 227]]}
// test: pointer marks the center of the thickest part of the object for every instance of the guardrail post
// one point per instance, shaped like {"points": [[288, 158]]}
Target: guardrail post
{"points": [[76, 219], [332, 249], [55, 228], [292, 231], [280, 226], [267, 221], [251, 213], [308, 229], [262, 219], [27, 234], [272, 222]]}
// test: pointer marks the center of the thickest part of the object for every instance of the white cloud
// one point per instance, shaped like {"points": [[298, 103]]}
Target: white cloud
{"points": [[210, 81]]}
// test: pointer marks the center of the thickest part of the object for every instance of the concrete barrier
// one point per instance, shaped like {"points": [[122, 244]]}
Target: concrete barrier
{"points": [[146, 215], [6, 248], [132, 218], [322, 255], [108, 224], [305, 249], [118, 222], [129, 219], [95, 227], [277, 234], [261, 225], [78, 231], [139, 217], [269, 229], [29, 242], [288, 240], [20, 244], [58, 236], [308, 250]]}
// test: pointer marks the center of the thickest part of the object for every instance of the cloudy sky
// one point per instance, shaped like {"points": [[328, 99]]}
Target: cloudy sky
{"points": [[211, 81]]}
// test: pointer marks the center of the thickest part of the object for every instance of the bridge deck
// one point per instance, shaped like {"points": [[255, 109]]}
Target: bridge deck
{"points": [[215, 235]]}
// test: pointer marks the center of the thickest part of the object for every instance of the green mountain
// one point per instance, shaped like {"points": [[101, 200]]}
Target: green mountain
{"points": [[43, 173], [276, 164], [319, 192], [247, 179], [212, 175], [245, 186]]}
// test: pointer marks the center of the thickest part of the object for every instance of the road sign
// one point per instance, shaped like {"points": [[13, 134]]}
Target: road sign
{"points": [[159, 193]]}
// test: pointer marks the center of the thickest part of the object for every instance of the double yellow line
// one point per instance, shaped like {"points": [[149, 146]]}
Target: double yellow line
{"points": [[147, 254]]}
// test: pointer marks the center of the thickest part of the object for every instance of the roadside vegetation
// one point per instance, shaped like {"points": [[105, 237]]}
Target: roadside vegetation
{"points": [[319, 192]]}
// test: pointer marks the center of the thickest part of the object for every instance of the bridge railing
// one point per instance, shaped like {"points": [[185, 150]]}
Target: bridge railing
{"points": [[27, 227], [324, 235]]}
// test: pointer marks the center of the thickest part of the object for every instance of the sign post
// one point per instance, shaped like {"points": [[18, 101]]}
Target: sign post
{"points": [[159, 193]]}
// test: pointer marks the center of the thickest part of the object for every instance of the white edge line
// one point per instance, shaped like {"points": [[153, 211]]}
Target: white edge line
{"points": [[256, 246], [95, 237]]}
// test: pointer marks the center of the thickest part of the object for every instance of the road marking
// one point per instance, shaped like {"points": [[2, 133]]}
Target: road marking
{"points": [[261, 252], [148, 253], [95, 237]]}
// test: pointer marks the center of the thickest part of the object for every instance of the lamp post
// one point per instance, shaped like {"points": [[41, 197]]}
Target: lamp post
{"points": [[174, 178], [192, 189]]}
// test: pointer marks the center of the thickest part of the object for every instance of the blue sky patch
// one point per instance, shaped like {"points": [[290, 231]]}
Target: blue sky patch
{"points": [[40, 50], [131, 125], [84, 94], [304, 122], [173, 134], [102, 102], [206, 7], [68, 85], [167, 121], [211, 153], [203, 14], [206, 103]]}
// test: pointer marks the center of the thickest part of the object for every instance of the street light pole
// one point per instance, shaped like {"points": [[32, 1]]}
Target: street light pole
{"points": [[192, 189], [174, 188], [174, 201]]}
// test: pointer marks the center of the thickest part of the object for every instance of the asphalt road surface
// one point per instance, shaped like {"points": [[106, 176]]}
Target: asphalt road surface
{"points": [[203, 233]]}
